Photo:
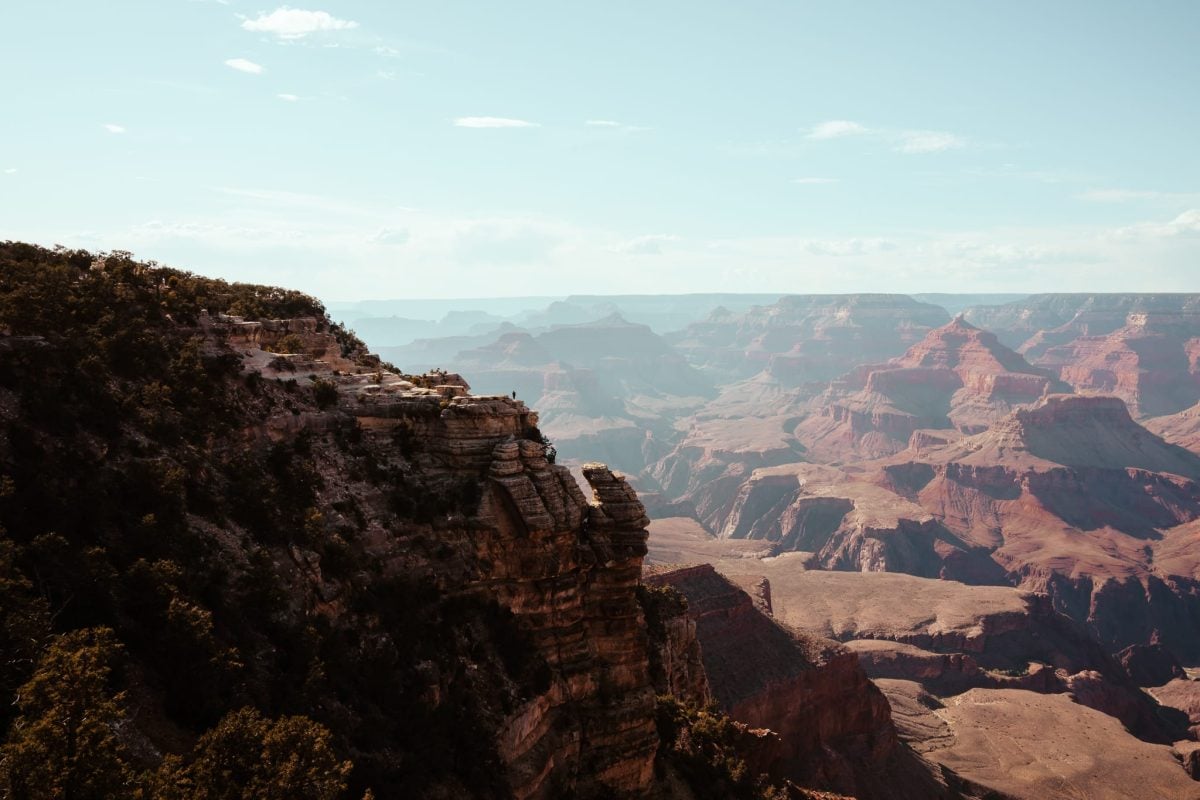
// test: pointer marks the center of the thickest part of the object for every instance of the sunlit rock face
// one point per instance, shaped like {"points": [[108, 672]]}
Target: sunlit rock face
{"points": [[833, 725], [958, 378], [1142, 348]]}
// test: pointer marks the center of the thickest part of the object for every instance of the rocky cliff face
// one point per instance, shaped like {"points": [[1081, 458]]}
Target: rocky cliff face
{"points": [[1077, 500], [1150, 362], [518, 532], [949, 638], [1069, 497], [320, 534], [1182, 429], [834, 726], [957, 377], [1034, 323]]}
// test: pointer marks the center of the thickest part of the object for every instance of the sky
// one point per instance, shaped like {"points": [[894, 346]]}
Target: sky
{"points": [[361, 150]]}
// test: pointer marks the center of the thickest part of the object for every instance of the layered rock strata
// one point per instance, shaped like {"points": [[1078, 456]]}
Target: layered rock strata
{"points": [[958, 377], [515, 530], [834, 725]]}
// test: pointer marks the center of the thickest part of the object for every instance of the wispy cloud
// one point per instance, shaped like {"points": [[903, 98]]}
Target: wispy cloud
{"points": [[1128, 195], [291, 98], [902, 141], [1186, 224], [649, 245], [927, 142], [814, 181], [493, 122], [394, 236], [295, 23], [112, 128], [244, 65], [10, 171], [612, 124], [836, 129]]}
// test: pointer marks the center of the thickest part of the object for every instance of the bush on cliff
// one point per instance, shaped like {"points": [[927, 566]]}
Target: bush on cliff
{"points": [[167, 565], [704, 746]]}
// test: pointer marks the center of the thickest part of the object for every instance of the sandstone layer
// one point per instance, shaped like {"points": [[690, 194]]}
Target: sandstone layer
{"points": [[957, 377], [834, 725]]}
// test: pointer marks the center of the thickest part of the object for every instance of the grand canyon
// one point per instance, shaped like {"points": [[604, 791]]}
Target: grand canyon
{"points": [[842, 546], [989, 504], [599, 401]]}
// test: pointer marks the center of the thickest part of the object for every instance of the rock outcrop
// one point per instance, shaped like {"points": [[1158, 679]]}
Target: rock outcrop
{"points": [[834, 726], [1139, 347], [1076, 500], [957, 377], [843, 523], [1182, 429], [950, 637], [566, 568], [604, 388], [807, 339], [1039, 321], [1152, 362]]}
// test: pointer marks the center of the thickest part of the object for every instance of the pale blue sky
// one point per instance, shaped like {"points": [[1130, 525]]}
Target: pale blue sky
{"points": [[443, 149]]}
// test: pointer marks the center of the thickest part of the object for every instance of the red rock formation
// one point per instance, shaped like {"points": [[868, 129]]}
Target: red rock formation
{"points": [[1150, 664], [1077, 500], [807, 338], [596, 718], [835, 726], [844, 522], [1069, 497], [567, 568], [1182, 429], [1150, 362], [957, 377], [1044, 320]]}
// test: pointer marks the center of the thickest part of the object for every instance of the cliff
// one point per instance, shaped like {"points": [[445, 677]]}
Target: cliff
{"points": [[807, 338], [957, 377], [267, 516], [1182, 429], [834, 726]]}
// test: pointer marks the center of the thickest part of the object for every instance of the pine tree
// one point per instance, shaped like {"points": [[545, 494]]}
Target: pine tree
{"points": [[64, 745]]}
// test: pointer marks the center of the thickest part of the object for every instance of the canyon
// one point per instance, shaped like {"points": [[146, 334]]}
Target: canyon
{"points": [[843, 545], [1028, 468]]}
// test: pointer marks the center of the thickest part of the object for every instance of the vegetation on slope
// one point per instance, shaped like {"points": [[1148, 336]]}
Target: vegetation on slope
{"points": [[157, 635]]}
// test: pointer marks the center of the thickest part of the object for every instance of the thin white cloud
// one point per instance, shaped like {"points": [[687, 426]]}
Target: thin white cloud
{"points": [[1115, 195], [814, 181], [903, 141], [1127, 195], [393, 236], [916, 142], [295, 23], [111, 128], [612, 124], [836, 129], [291, 98], [493, 122], [650, 245], [10, 171], [244, 65], [1186, 224]]}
